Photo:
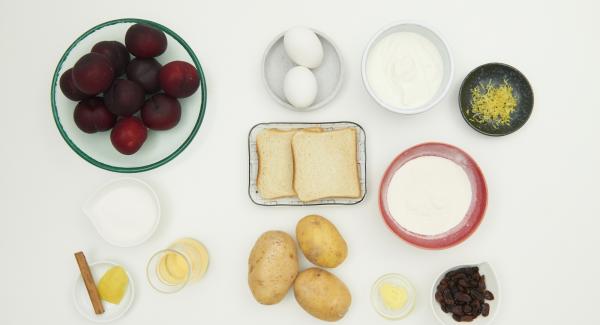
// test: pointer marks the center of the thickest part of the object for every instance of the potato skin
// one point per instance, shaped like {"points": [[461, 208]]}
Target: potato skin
{"points": [[320, 241], [322, 294], [272, 267]]}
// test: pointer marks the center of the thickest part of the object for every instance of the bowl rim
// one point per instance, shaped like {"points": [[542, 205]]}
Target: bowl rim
{"points": [[436, 99], [136, 169], [476, 213], [497, 295], [462, 108], [325, 100]]}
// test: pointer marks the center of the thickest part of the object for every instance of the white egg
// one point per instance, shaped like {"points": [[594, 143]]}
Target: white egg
{"points": [[303, 47], [300, 87]]}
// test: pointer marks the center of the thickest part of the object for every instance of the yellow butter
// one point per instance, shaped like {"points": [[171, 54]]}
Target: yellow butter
{"points": [[113, 285], [393, 297]]}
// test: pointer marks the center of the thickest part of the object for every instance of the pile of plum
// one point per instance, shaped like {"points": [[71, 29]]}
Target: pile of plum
{"points": [[128, 95]]}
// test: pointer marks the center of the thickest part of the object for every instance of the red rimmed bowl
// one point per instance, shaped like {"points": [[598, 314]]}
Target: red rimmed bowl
{"points": [[474, 214]]}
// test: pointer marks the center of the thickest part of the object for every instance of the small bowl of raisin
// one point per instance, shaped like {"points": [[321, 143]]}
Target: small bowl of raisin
{"points": [[466, 293]]}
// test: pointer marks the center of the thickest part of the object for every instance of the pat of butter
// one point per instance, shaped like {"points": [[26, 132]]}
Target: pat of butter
{"points": [[113, 284], [393, 297]]}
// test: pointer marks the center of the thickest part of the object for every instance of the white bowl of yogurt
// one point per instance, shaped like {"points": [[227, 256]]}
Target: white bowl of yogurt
{"points": [[407, 68]]}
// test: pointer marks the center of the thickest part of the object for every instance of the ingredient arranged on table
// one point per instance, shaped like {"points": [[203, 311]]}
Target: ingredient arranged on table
{"points": [[125, 212], [393, 296], [405, 70], [429, 195], [295, 162], [320, 241], [272, 267], [184, 261], [300, 87], [89, 282], [107, 101], [276, 171], [304, 48], [322, 294], [492, 104], [496, 99], [433, 195], [113, 285], [271, 160], [463, 293]]}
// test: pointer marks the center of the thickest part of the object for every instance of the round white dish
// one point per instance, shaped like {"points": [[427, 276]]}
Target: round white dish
{"points": [[111, 312], [144, 229], [329, 74], [492, 284], [440, 44]]}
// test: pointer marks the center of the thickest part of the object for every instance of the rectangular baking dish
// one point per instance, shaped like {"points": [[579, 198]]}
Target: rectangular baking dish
{"points": [[293, 201]]}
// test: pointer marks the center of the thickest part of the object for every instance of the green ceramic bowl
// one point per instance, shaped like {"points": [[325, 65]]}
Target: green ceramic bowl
{"points": [[160, 146], [496, 74]]}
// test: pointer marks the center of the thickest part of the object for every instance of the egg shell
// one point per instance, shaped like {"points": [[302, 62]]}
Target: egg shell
{"points": [[300, 87], [303, 47]]}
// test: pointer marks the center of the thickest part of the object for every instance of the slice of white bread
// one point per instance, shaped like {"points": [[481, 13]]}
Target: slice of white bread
{"points": [[325, 164], [276, 163]]}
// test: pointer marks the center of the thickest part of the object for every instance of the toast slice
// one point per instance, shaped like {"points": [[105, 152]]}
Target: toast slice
{"points": [[276, 163], [325, 164]]}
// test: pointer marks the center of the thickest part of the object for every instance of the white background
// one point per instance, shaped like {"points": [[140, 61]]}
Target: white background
{"points": [[541, 227]]}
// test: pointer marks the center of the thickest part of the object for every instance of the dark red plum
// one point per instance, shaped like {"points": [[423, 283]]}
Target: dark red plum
{"points": [[161, 112], [145, 73], [67, 86], [124, 97], [128, 135], [145, 41], [91, 116], [179, 79], [93, 74], [116, 53]]}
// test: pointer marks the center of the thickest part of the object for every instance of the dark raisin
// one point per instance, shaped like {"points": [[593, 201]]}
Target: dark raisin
{"points": [[463, 297], [457, 310], [467, 318], [438, 296], [485, 310], [467, 309], [456, 317], [476, 295], [488, 295], [463, 283]]}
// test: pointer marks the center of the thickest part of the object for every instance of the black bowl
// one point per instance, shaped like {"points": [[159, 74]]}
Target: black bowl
{"points": [[496, 73]]}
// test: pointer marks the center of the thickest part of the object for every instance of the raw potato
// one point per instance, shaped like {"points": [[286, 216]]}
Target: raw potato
{"points": [[320, 241], [272, 267], [322, 294]]}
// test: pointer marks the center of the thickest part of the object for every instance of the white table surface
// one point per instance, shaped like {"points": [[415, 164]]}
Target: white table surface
{"points": [[541, 227]]}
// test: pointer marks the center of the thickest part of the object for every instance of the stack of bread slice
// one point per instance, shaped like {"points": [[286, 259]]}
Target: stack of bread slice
{"points": [[310, 163]]}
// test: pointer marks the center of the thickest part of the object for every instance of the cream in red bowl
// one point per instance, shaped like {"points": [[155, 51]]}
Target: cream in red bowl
{"points": [[433, 195]]}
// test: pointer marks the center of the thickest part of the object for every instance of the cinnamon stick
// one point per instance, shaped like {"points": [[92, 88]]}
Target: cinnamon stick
{"points": [[90, 285]]}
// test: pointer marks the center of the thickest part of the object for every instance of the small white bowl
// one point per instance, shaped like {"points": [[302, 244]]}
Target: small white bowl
{"points": [[329, 74], [436, 39], [111, 312], [93, 209], [492, 284]]}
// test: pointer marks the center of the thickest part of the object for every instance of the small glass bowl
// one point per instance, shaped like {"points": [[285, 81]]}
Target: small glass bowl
{"points": [[154, 277], [160, 146], [396, 280]]}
